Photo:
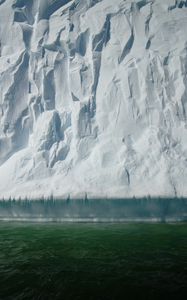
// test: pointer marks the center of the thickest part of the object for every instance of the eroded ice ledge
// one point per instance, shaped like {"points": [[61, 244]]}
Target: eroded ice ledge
{"points": [[148, 209]]}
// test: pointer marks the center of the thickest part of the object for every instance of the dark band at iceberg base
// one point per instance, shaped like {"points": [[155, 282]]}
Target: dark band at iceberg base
{"points": [[95, 210]]}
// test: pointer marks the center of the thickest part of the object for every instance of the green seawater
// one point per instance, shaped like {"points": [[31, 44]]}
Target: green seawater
{"points": [[93, 261]]}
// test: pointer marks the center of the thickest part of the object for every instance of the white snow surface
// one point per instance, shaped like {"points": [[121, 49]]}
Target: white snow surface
{"points": [[93, 98]]}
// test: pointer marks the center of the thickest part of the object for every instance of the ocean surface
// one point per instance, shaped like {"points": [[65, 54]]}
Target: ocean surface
{"points": [[93, 261]]}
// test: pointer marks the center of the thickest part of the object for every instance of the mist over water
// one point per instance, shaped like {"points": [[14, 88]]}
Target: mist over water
{"points": [[95, 210]]}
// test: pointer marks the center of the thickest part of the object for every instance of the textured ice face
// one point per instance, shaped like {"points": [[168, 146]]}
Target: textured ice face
{"points": [[93, 97]]}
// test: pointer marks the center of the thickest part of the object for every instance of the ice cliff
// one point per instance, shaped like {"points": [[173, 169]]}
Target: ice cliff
{"points": [[93, 98]]}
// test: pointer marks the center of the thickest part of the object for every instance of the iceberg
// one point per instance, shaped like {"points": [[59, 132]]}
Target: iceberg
{"points": [[93, 98]]}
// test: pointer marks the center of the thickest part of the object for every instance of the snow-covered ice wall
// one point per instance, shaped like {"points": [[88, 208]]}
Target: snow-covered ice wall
{"points": [[93, 98]]}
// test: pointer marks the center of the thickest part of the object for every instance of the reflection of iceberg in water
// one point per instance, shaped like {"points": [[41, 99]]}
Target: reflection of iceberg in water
{"points": [[96, 210]]}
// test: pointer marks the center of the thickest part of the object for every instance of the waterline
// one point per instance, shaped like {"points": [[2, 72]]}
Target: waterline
{"points": [[95, 210]]}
